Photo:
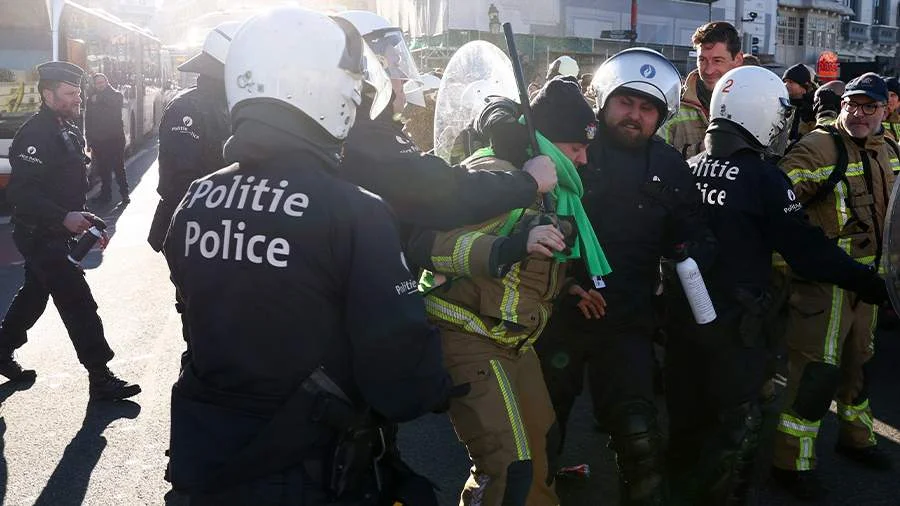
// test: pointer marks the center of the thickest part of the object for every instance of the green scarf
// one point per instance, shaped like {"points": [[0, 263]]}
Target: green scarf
{"points": [[568, 193]]}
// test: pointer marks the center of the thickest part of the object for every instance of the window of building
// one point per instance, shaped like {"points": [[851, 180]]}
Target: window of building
{"points": [[801, 23], [854, 4]]}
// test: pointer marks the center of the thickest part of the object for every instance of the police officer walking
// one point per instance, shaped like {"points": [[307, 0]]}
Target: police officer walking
{"points": [[106, 138], [640, 199], [307, 329], [715, 371], [844, 175], [193, 129], [46, 189]]}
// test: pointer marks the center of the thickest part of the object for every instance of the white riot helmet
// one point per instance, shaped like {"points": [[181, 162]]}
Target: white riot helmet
{"points": [[642, 70], [564, 66], [211, 60], [324, 84], [386, 41], [755, 99]]}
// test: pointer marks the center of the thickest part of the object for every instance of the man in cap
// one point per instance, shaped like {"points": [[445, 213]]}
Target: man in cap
{"points": [[46, 190], [829, 333], [105, 134], [891, 122], [192, 132], [506, 273], [718, 47], [798, 81]]}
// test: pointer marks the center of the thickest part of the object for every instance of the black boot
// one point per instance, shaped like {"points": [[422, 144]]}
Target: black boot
{"points": [[14, 372], [106, 386], [803, 485], [870, 457]]}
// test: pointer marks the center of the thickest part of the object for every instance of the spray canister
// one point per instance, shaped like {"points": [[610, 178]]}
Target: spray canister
{"points": [[695, 290], [87, 240]]}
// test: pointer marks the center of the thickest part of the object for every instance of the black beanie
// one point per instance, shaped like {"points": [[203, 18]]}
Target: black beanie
{"points": [[562, 114], [799, 73]]}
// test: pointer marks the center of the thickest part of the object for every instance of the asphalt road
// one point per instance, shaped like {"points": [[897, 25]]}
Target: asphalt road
{"points": [[56, 449]]}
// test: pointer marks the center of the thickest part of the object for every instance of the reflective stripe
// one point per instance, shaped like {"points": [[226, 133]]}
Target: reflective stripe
{"points": [[843, 214], [855, 169], [456, 315], [895, 164], [851, 414], [461, 252], [512, 411], [817, 175], [830, 354], [806, 432], [684, 114], [510, 302]]}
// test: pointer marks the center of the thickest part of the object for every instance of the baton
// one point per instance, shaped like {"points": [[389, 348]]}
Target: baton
{"points": [[547, 202]]}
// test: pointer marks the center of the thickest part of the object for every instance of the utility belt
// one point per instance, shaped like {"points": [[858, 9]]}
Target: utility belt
{"points": [[317, 427]]}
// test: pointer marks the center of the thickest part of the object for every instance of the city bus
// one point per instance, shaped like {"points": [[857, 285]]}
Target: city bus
{"points": [[90, 38]]}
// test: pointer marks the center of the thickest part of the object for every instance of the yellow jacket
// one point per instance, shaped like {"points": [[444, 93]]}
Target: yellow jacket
{"points": [[685, 131], [511, 310], [853, 213]]}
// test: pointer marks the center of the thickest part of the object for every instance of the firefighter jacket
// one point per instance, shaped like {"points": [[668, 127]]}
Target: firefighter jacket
{"points": [[891, 125], [854, 210], [685, 130], [508, 302]]}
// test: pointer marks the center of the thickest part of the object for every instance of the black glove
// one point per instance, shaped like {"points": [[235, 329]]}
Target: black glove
{"points": [[455, 392], [874, 290]]}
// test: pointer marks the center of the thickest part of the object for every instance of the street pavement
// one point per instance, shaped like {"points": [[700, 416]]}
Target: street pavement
{"points": [[58, 450]]}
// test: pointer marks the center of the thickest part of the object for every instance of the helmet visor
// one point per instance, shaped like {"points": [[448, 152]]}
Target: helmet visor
{"points": [[377, 78], [782, 128], [395, 57]]}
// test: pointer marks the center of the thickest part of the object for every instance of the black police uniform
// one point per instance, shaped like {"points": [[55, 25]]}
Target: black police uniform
{"points": [[714, 372], [642, 204], [106, 139], [48, 181], [423, 190], [283, 269], [192, 131]]}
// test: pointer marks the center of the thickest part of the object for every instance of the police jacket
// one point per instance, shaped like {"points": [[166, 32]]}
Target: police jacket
{"points": [[422, 189], [495, 289], [48, 178], [686, 129], [854, 210], [103, 116], [643, 205], [752, 211], [192, 131], [283, 267]]}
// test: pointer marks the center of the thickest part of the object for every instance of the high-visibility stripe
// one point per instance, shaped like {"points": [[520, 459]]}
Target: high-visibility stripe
{"points": [[806, 175], [523, 452], [456, 315], [830, 354], [510, 303], [684, 114], [805, 431], [461, 252], [860, 412]]}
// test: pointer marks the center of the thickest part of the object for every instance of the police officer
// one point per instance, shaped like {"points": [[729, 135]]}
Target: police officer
{"points": [[106, 137], [193, 129], [46, 190], [307, 329], [640, 198], [422, 189], [715, 371]]}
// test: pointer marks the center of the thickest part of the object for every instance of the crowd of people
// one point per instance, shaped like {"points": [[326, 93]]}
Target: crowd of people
{"points": [[334, 280]]}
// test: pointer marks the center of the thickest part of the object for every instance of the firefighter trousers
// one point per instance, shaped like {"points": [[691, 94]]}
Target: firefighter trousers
{"points": [[504, 421], [829, 339]]}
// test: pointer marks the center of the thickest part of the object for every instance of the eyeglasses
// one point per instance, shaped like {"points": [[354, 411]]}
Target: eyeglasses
{"points": [[867, 109]]}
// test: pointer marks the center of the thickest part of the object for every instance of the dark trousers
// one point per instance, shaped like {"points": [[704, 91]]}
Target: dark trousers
{"points": [[711, 370], [49, 273], [108, 158], [619, 361]]}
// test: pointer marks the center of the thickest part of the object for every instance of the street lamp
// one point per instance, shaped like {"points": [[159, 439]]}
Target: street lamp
{"points": [[494, 19]]}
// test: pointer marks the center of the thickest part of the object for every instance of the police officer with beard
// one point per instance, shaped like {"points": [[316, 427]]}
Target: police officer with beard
{"points": [[307, 329], [714, 372], [193, 129], [641, 201], [423, 190]]}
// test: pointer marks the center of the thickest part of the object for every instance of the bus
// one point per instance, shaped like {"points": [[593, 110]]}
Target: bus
{"points": [[36, 31]]}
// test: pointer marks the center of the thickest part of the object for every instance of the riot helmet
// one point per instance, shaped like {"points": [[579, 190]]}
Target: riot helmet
{"points": [[756, 100], [640, 70], [211, 60], [325, 85]]}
